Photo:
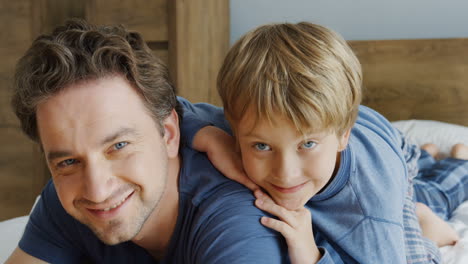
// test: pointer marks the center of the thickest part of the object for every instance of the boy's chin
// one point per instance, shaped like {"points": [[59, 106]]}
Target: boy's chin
{"points": [[291, 204]]}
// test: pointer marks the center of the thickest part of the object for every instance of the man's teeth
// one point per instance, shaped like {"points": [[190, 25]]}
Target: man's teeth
{"points": [[114, 206]]}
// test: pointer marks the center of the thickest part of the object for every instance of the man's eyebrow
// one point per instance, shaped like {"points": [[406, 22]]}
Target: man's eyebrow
{"points": [[57, 154], [124, 131], [119, 133]]}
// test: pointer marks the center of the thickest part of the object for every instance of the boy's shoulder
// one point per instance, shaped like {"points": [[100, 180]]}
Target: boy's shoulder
{"points": [[372, 124]]}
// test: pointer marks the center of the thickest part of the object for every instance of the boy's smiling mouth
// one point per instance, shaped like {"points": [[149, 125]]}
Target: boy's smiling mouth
{"points": [[292, 189]]}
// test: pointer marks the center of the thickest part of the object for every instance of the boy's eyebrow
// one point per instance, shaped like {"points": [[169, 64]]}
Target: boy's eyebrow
{"points": [[119, 133], [251, 135]]}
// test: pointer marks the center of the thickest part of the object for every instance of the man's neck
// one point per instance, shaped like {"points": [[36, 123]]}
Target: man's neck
{"points": [[157, 231]]}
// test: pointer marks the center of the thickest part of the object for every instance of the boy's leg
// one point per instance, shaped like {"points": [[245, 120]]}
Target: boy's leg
{"points": [[419, 249], [459, 151], [441, 185], [434, 228], [431, 149]]}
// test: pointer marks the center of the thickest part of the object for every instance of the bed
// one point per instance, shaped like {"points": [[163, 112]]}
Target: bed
{"points": [[420, 85]]}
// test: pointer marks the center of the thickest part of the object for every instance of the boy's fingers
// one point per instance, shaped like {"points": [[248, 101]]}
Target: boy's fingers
{"points": [[244, 180], [277, 225], [266, 204], [258, 193]]}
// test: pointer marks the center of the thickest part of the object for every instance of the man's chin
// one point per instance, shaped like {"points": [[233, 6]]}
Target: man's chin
{"points": [[114, 232], [115, 237]]}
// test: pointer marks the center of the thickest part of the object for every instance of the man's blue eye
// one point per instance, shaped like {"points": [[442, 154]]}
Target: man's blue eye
{"points": [[262, 146], [309, 144], [67, 162], [120, 145]]}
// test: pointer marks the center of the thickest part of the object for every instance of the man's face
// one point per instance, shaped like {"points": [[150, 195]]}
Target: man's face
{"points": [[108, 158], [291, 167]]}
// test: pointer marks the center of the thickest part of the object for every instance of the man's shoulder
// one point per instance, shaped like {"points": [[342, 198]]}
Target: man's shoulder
{"points": [[214, 195], [225, 227], [199, 179], [220, 221]]}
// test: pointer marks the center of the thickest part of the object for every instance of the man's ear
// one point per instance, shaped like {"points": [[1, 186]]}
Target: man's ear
{"points": [[172, 134], [343, 140]]}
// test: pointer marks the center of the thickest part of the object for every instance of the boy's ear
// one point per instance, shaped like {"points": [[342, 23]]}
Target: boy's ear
{"points": [[343, 140], [172, 134]]}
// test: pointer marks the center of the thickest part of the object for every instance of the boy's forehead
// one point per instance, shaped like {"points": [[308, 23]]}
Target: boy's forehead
{"points": [[252, 121]]}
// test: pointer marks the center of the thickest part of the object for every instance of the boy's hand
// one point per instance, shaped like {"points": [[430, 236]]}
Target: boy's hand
{"points": [[221, 150], [295, 226]]}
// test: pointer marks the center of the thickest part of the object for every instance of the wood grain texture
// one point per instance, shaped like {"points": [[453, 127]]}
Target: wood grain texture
{"points": [[7, 117], [149, 18], [17, 173], [198, 43], [416, 79], [19, 159], [15, 33], [47, 14]]}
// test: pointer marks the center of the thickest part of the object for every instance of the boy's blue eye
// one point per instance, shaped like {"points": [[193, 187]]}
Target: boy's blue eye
{"points": [[262, 146], [309, 145], [120, 145]]}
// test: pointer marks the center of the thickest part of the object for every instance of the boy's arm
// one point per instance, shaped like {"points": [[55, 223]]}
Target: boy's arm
{"points": [[205, 129], [294, 225], [199, 115]]}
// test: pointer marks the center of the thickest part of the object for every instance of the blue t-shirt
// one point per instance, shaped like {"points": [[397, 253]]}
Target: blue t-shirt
{"points": [[358, 218], [217, 223]]}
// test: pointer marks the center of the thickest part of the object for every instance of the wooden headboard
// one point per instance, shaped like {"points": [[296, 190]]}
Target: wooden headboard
{"points": [[416, 79]]}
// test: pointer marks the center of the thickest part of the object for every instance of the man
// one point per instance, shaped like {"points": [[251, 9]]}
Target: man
{"points": [[124, 190]]}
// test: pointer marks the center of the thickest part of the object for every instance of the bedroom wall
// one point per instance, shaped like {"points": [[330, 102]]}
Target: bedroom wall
{"points": [[358, 19]]}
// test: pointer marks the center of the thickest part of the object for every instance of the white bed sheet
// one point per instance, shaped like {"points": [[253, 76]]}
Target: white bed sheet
{"points": [[458, 254]]}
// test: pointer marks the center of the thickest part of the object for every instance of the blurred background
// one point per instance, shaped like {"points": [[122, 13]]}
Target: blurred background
{"points": [[192, 37]]}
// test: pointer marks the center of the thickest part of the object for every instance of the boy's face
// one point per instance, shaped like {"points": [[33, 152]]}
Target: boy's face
{"points": [[290, 167], [108, 160]]}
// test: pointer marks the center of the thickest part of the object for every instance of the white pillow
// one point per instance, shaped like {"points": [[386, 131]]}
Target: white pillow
{"points": [[444, 135], [11, 231]]}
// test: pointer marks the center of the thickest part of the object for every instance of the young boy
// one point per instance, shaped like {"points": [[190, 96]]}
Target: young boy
{"points": [[292, 94]]}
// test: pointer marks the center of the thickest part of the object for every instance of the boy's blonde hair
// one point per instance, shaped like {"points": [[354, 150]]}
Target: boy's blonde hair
{"points": [[304, 72]]}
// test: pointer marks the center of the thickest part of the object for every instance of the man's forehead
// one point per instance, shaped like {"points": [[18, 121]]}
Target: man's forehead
{"points": [[94, 108]]}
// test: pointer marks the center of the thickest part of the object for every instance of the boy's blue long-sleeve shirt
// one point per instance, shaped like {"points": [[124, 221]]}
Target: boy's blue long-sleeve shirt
{"points": [[358, 218]]}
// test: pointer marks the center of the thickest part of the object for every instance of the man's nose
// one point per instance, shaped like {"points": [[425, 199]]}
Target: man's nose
{"points": [[96, 187]]}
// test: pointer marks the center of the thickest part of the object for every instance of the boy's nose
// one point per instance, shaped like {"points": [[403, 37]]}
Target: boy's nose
{"points": [[288, 169]]}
